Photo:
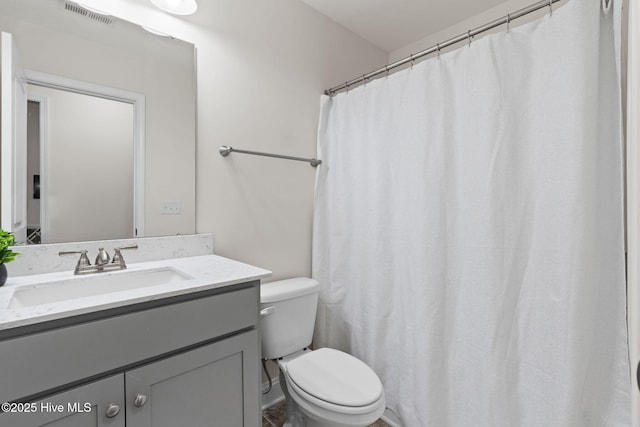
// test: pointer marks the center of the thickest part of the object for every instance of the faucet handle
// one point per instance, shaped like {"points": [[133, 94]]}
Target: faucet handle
{"points": [[84, 259], [83, 262], [118, 258]]}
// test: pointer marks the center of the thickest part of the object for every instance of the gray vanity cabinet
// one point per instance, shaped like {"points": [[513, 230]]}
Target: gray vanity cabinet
{"points": [[191, 361], [208, 386]]}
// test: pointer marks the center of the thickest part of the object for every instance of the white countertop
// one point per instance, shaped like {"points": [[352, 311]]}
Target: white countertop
{"points": [[206, 272]]}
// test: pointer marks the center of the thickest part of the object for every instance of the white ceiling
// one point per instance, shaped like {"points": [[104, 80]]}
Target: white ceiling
{"points": [[392, 24]]}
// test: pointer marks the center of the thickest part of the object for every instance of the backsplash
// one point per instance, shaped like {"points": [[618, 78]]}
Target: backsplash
{"points": [[38, 259]]}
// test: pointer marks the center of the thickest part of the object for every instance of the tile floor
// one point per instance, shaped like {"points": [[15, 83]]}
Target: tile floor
{"points": [[276, 415]]}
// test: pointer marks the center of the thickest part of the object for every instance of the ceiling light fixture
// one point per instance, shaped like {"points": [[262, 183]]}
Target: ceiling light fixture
{"points": [[177, 7]]}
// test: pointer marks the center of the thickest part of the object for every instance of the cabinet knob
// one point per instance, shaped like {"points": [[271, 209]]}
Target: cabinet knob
{"points": [[112, 410], [140, 400], [267, 311]]}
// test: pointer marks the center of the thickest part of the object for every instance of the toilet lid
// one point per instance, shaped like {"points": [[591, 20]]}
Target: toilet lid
{"points": [[335, 377]]}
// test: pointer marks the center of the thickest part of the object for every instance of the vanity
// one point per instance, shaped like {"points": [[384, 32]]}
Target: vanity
{"points": [[174, 343], [173, 339]]}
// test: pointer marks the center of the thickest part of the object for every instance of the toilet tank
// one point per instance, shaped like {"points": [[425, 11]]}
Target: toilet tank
{"points": [[287, 315]]}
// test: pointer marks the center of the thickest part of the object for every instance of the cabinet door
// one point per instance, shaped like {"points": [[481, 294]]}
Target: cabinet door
{"points": [[214, 385], [83, 406]]}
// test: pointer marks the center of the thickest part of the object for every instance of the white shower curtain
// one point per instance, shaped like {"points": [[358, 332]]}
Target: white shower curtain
{"points": [[468, 230]]}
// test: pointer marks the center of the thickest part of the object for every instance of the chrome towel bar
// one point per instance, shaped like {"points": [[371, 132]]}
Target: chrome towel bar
{"points": [[225, 150]]}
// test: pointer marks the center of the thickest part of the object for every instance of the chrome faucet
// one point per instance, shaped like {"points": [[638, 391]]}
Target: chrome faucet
{"points": [[102, 263], [102, 258]]}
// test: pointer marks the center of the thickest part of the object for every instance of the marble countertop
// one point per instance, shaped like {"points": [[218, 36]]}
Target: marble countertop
{"points": [[204, 273]]}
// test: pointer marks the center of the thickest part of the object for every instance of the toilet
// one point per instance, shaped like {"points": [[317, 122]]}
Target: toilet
{"points": [[323, 387]]}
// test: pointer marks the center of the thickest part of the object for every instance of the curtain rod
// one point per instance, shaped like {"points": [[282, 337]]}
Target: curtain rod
{"points": [[225, 150], [462, 37]]}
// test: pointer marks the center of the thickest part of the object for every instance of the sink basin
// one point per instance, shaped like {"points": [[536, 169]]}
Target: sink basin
{"points": [[99, 284]]}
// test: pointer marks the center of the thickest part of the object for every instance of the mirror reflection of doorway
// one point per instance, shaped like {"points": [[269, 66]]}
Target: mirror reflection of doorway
{"points": [[81, 155], [34, 229]]}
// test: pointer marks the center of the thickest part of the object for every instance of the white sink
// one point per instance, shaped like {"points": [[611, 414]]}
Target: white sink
{"points": [[98, 284]]}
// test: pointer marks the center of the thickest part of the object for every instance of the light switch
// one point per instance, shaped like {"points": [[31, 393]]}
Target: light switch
{"points": [[170, 207]]}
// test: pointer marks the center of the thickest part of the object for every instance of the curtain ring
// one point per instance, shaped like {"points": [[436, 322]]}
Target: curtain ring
{"points": [[348, 86], [386, 68], [508, 22], [438, 47], [550, 7], [469, 37], [411, 56], [364, 79]]}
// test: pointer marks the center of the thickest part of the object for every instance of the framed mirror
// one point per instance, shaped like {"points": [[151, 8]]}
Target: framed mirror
{"points": [[70, 53]]}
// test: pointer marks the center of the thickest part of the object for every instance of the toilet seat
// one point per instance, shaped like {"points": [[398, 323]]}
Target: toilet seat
{"points": [[336, 382], [306, 400]]}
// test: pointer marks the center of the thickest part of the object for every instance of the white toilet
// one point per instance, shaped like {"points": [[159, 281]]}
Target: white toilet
{"points": [[323, 387]]}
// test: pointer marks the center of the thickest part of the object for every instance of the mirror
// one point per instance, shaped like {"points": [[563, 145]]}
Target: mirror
{"points": [[72, 135], [62, 42]]}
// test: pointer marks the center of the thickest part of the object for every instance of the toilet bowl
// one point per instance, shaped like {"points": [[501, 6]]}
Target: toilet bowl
{"points": [[323, 387], [333, 388]]}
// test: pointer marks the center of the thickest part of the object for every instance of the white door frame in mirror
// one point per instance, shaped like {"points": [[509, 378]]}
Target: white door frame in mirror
{"points": [[138, 102], [13, 136]]}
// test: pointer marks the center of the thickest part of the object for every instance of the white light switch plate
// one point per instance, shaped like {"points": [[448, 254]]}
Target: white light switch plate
{"points": [[170, 207]]}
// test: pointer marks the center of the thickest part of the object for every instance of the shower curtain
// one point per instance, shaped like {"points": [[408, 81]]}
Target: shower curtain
{"points": [[468, 230]]}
